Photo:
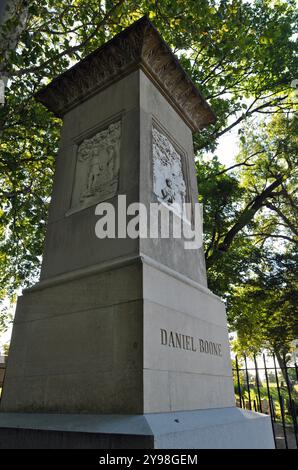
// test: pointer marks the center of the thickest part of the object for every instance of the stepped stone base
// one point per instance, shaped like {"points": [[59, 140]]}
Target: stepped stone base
{"points": [[223, 428]]}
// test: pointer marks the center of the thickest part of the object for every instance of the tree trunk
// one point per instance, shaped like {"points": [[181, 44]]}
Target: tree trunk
{"points": [[15, 12], [282, 365]]}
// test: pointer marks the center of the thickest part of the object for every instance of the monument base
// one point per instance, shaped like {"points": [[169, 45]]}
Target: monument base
{"points": [[221, 428]]}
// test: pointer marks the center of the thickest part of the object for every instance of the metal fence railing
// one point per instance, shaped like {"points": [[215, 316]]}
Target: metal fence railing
{"points": [[271, 389]]}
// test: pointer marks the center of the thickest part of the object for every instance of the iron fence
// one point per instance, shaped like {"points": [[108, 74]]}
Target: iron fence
{"points": [[272, 390]]}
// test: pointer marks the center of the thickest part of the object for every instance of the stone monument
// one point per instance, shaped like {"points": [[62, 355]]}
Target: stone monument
{"points": [[121, 344]]}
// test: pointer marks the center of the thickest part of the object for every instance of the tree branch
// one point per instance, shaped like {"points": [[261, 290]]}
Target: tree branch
{"points": [[272, 207], [70, 50], [214, 175], [248, 112], [271, 235], [245, 217]]}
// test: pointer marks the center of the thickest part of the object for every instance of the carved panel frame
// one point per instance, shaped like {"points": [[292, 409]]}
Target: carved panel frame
{"points": [[155, 123], [77, 141]]}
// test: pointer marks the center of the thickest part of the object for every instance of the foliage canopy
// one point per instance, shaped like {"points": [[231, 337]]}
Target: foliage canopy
{"points": [[243, 57]]}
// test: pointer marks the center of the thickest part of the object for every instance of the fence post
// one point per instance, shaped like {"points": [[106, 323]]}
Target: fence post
{"points": [[258, 384], [280, 404], [247, 381], [279, 393], [272, 412], [292, 404], [238, 380]]}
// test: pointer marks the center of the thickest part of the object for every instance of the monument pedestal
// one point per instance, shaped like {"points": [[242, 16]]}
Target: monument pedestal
{"points": [[145, 339], [224, 428], [140, 346], [121, 344]]}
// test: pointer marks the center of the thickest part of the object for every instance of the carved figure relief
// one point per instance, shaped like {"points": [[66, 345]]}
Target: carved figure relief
{"points": [[98, 163], [168, 181]]}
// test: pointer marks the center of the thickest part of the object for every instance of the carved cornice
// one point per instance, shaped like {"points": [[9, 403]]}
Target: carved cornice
{"points": [[138, 46]]}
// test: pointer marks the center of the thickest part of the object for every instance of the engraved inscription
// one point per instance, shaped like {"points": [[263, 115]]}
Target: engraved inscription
{"points": [[98, 163], [168, 181], [176, 340]]}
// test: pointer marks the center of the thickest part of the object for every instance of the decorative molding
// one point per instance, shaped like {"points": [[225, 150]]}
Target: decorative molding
{"points": [[97, 169], [168, 180], [117, 263], [138, 46]]}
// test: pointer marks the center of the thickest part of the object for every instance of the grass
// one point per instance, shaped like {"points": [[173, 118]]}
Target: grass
{"points": [[275, 397]]}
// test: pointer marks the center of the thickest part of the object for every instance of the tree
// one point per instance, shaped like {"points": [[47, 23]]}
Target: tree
{"points": [[240, 54], [263, 309], [252, 239], [253, 201]]}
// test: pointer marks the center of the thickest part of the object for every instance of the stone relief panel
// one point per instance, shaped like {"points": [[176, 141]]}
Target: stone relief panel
{"points": [[97, 170], [168, 181]]}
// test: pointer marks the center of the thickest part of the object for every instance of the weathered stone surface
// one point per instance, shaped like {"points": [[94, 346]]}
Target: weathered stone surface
{"points": [[71, 242], [226, 428], [75, 345], [94, 345]]}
